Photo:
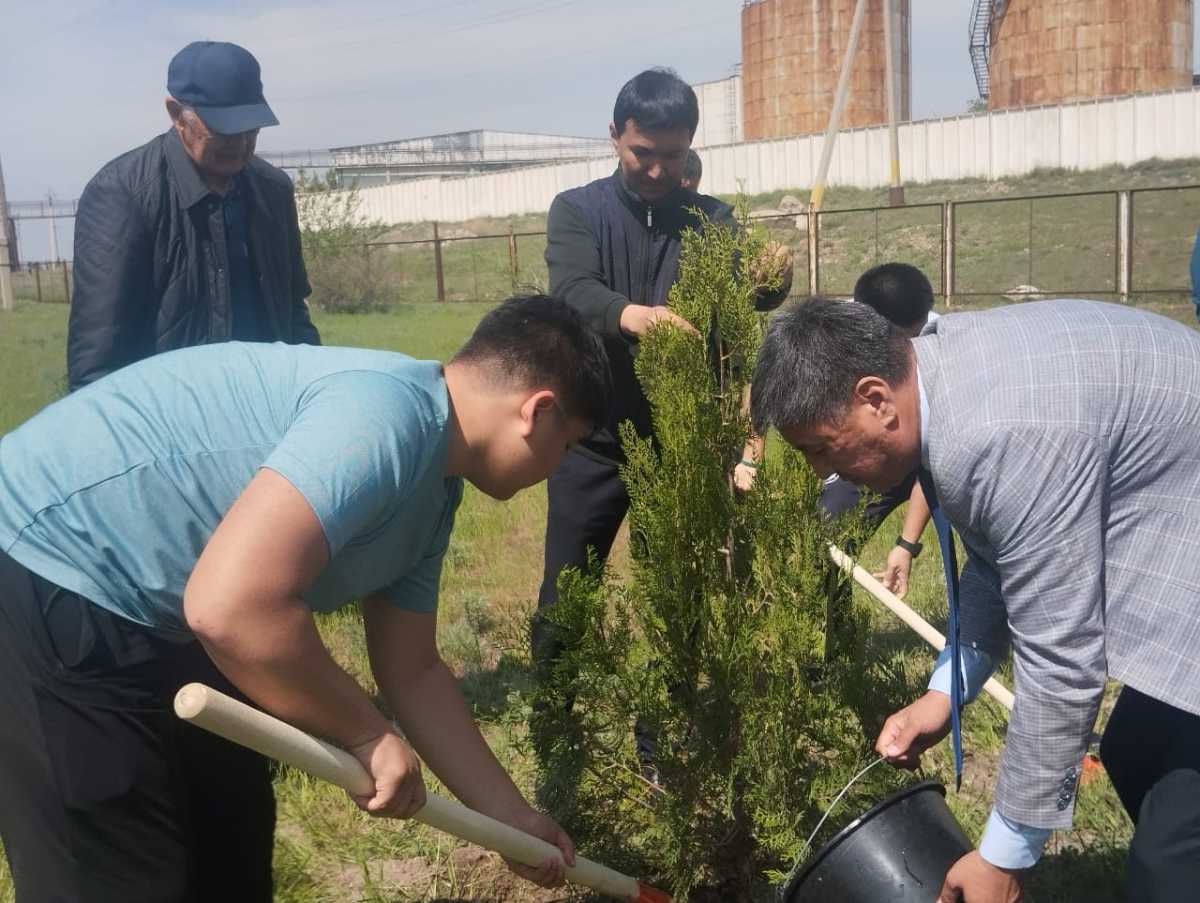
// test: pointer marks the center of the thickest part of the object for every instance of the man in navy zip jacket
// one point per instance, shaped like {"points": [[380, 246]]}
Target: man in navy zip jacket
{"points": [[613, 254]]}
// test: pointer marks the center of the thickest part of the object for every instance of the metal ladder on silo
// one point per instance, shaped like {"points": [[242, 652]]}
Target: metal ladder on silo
{"points": [[979, 33]]}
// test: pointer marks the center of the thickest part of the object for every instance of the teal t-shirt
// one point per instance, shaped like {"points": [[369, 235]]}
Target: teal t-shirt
{"points": [[113, 492]]}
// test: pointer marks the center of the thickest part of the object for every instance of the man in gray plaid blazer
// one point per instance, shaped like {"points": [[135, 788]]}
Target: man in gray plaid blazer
{"points": [[1063, 441]]}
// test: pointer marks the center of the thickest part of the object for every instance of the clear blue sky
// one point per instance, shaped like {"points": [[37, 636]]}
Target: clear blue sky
{"points": [[83, 80]]}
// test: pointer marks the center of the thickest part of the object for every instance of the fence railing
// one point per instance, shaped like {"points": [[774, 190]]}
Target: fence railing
{"points": [[1132, 245], [1127, 245], [44, 282]]}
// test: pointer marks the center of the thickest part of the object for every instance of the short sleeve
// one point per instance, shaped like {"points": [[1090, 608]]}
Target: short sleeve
{"points": [[417, 590], [357, 446]]}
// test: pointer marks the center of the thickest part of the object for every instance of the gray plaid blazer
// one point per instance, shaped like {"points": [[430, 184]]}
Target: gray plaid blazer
{"points": [[1064, 443]]}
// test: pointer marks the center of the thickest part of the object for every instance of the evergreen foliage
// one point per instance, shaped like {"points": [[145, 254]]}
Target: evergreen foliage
{"points": [[719, 639]]}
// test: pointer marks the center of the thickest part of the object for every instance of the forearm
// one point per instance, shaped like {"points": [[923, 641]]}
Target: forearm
{"points": [[753, 449], [916, 518], [434, 717], [280, 662]]}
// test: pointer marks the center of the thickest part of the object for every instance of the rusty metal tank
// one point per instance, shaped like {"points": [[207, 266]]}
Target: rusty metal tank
{"points": [[791, 56], [1053, 51]]}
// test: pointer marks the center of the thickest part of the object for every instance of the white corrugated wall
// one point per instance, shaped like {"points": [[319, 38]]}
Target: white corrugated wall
{"points": [[1087, 135]]}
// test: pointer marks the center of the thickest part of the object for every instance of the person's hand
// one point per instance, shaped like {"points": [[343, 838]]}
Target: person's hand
{"points": [[914, 729], [743, 476], [551, 873], [391, 762], [772, 268], [637, 318], [975, 880], [894, 575]]}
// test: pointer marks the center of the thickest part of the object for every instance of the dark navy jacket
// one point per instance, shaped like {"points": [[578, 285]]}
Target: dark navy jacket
{"points": [[605, 249]]}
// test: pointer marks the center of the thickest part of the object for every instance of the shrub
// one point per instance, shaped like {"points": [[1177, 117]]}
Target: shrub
{"points": [[719, 639], [335, 238]]}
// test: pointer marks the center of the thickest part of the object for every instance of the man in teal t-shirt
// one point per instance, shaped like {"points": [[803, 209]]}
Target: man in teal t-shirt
{"points": [[182, 519]]}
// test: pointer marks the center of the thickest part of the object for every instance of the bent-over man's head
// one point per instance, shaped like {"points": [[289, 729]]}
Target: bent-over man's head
{"points": [[898, 291], [838, 382], [531, 381], [216, 104], [654, 121]]}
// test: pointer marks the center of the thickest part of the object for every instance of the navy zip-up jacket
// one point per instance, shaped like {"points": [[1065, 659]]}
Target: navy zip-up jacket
{"points": [[606, 248]]}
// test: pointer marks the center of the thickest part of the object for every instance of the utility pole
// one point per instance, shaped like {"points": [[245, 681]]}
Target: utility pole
{"points": [[839, 103], [6, 292], [891, 84], [53, 228]]}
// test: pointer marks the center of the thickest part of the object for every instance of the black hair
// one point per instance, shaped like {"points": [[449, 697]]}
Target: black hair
{"points": [[693, 168], [899, 291], [657, 100], [814, 354], [539, 341]]}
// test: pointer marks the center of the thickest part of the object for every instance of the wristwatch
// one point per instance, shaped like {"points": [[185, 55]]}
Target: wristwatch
{"points": [[913, 548]]}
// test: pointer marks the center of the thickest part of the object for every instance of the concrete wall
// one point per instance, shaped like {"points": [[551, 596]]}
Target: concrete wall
{"points": [[791, 58], [990, 145], [720, 112], [1051, 51]]}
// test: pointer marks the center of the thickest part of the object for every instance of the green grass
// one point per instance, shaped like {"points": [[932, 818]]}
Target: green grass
{"points": [[326, 850]]}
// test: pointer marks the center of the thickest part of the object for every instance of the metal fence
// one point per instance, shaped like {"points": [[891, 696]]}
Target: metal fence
{"points": [[1128, 245], [45, 282]]}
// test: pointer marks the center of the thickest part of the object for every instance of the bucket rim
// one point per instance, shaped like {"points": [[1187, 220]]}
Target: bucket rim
{"points": [[844, 834]]}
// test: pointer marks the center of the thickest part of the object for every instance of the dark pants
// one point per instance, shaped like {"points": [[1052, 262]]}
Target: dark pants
{"points": [[1151, 752], [105, 796], [586, 502]]}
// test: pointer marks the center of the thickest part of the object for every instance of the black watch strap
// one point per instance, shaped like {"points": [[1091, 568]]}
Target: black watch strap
{"points": [[913, 548]]}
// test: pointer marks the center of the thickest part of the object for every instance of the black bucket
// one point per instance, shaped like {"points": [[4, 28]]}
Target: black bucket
{"points": [[899, 852]]}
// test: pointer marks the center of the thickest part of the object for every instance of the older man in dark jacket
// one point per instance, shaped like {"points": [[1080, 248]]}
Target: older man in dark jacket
{"points": [[189, 239]]}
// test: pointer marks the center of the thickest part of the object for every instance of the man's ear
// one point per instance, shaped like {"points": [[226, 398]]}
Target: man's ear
{"points": [[877, 393], [534, 408], [614, 134], [175, 111]]}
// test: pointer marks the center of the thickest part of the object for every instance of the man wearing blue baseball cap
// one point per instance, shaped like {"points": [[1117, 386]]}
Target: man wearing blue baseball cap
{"points": [[190, 238]]}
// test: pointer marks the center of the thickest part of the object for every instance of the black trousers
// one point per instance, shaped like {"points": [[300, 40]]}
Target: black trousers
{"points": [[586, 502], [105, 796], [1151, 752]]}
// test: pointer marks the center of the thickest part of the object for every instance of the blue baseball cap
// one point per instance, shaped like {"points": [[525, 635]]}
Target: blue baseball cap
{"points": [[222, 82]]}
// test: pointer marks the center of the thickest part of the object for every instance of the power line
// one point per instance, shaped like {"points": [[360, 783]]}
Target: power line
{"points": [[503, 18]]}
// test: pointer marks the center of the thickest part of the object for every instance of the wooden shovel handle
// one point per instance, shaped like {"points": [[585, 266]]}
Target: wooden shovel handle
{"points": [[223, 715]]}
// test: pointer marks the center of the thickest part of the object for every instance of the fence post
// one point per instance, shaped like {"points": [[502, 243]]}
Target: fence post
{"points": [[437, 264], [66, 282], [1124, 243], [512, 258], [948, 252], [37, 279], [814, 250], [475, 273], [7, 300]]}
